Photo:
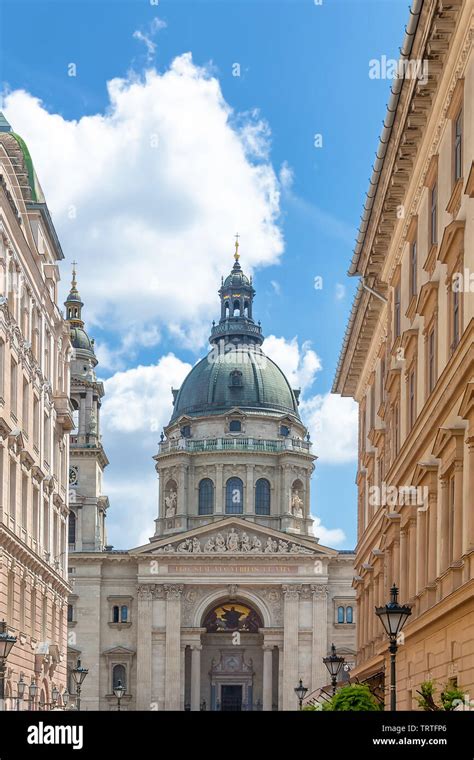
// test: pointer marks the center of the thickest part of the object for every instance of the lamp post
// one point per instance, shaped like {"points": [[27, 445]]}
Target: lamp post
{"points": [[334, 664], [393, 616], [65, 698], [6, 644], [20, 691], [32, 694], [79, 674], [54, 697], [300, 692], [119, 691]]}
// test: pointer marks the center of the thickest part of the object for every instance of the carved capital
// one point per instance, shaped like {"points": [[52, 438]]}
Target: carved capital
{"points": [[319, 591], [173, 591]]}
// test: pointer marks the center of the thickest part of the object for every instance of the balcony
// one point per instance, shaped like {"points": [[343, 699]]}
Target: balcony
{"points": [[64, 411], [263, 445]]}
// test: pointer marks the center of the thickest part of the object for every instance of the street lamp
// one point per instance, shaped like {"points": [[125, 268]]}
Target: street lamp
{"points": [[79, 674], [20, 691], [300, 692], [393, 616], [65, 698], [334, 664], [119, 691], [54, 696], [32, 693], [6, 644]]}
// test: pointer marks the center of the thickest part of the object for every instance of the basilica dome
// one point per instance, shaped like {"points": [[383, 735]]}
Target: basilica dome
{"points": [[242, 377]]}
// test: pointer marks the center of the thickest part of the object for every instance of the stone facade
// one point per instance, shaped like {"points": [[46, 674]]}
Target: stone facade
{"points": [[35, 419], [408, 361], [233, 600]]}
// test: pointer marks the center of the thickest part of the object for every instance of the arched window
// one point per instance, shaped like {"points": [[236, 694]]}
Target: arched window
{"points": [[349, 615], [235, 426], [70, 613], [262, 497], [206, 497], [124, 613], [234, 496], [236, 309], [115, 613], [119, 674], [72, 528], [340, 614]]}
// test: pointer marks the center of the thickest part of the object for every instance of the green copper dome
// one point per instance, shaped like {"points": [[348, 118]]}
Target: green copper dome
{"points": [[80, 339], [242, 377]]}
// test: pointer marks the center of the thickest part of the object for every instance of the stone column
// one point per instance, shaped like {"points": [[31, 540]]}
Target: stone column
{"points": [[144, 626], [443, 518], [173, 647], [396, 560], [267, 676], [249, 490], [320, 636], [412, 559], [469, 512], [290, 646], [432, 537], [458, 511], [420, 550], [219, 496], [196, 677]]}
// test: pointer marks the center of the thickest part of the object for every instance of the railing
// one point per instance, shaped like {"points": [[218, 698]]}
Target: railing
{"points": [[234, 444]]}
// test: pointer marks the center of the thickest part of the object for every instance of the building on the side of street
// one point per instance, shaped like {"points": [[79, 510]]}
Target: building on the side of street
{"points": [[408, 360], [233, 599], [35, 420]]}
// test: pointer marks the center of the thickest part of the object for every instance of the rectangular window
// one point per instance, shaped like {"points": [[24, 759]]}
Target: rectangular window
{"points": [[10, 597], [12, 486], [25, 399], [46, 527], [13, 387], [411, 399], [22, 605], [55, 536], [455, 319], [434, 214], [33, 612], [35, 514], [36, 421], [458, 147], [24, 502], [396, 313], [44, 618], [431, 361], [47, 439], [70, 613], [413, 268]]}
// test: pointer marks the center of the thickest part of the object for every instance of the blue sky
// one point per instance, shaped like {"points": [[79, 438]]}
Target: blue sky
{"points": [[303, 71]]}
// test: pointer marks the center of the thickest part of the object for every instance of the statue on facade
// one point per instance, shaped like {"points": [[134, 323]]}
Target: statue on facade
{"points": [[245, 542], [232, 541], [297, 504], [270, 546], [256, 545], [220, 543], [210, 545], [171, 502], [196, 546]]}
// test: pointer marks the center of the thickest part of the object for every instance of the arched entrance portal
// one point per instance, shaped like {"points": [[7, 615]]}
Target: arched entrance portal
{"points": [[231, 658]]}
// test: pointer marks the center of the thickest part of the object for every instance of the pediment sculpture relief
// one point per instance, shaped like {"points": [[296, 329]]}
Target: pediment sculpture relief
{"points": [[235, 542]]}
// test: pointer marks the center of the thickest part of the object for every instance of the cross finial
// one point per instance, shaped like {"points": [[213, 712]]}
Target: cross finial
{"points": [[237, 254], [74, 283]]}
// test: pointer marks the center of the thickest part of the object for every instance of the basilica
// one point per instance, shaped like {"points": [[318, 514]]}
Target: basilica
{"points": [[233, 600]]}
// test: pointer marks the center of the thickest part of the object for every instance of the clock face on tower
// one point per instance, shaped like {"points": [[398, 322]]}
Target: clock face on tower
{"points": [[73, 476]]}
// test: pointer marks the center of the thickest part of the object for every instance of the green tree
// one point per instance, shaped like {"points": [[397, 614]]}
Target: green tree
{"points": [[354, 697], [427, 701]]}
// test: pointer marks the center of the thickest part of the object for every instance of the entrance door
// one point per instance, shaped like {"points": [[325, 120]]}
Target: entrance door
{"points": [[231, 698]]}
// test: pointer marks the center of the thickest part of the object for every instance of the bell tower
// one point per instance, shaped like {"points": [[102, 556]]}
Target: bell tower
{"points": [[87, 458]]}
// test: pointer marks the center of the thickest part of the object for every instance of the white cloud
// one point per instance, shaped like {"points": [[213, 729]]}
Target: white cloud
{"points": [[332, 421], [300, 365], [276, 287], [332, 537], [148, 195], [147, 37]]}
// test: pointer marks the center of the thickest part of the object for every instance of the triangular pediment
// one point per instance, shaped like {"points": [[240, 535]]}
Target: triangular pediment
{"points": [[235, 536]]}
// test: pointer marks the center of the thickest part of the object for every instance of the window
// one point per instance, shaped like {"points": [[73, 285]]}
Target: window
{"points": [[234, 500], [123, 613], [262, 497], [235, 426], [345, 614], [411, 399], [72, 528], [115, 614], [434, 214], [47, 439], [35, 514], [413, 268], [458, 147], [70, 613], [120, 613], [340, 614], [44, 617], [186, 431], [451, 519], [235, 379], [25, 405], [349, 615], [13, 386], [396, 313], [455, 319], [33, 611], [119, 676], [206, 497], [284, 430], [431, 360], [24, 502], [46, 527], [13, 490], [36, 419]]}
